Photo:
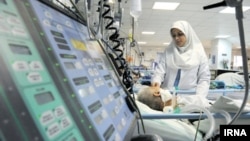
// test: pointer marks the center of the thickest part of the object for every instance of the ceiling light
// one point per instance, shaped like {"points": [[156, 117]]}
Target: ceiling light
{"points": [[166, 5], [166, 43], [222, 36], [110, 1], [231, 10], [148, 32], [142, 43]]}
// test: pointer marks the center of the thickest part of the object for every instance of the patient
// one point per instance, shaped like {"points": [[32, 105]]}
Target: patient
{"points": [[164, 101], [161, 101], [231, 79]]}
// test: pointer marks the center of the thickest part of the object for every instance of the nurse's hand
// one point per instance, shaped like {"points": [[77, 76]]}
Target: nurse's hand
{"points": [[156, 88]]}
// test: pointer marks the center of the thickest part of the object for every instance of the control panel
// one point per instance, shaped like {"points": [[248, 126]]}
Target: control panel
{"points": [[32, 81], [55, 83]]}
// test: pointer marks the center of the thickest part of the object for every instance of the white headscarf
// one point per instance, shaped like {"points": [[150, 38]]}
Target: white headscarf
{"points": [[191, 54]]}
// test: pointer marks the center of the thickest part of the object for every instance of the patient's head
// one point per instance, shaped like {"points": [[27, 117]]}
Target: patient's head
{"points": [[147, 96]]}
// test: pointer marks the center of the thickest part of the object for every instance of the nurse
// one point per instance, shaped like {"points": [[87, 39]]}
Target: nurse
{"points": [[184, 64]]}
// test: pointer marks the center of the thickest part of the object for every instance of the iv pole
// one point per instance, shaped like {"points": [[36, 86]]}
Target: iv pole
{"points": [[239, 16]]}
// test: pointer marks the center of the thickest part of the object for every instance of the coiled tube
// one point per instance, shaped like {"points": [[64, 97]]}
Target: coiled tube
{"points": [[194, 108], [118, 60], [223, 113]]}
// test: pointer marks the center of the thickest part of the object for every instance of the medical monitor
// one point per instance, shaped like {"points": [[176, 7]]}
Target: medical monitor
{"points": [[55, 83]]}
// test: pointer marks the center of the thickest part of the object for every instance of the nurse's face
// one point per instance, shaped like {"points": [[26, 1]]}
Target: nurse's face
{"points": [[178, 37]]}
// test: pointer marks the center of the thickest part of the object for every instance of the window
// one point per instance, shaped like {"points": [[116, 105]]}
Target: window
{"points": [[237, 63]]}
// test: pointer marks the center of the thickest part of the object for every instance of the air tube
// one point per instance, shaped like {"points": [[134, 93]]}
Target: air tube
{"points": [[194, 108], [223, 113]]}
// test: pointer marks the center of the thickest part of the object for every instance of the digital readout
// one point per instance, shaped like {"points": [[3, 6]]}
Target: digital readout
{"points": [[108, 133], [94, 106], [98, 60], [117, 94], [64, 47], [81, 80], [44, 98], [20, 49], [100, 67], [69, 65], [107, 77], [57, 34], [3, 1], [68, 56], [60, 40]]}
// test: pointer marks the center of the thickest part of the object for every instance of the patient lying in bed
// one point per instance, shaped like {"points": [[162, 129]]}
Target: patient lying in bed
{"points": [[168, 129], [232, 80], [168, 103], [162, 101], [172, 129]]}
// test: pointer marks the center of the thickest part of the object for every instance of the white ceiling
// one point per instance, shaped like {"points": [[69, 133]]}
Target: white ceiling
{"points": [[207, 23]]}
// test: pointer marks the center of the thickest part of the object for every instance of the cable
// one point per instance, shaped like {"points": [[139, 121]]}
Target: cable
{"points": [[68, 9], [130, 97], [139, 53], [114, 37], [197, 128], [127, 78], [100, 16], [87, 17], [194, 107], [239, 16]]}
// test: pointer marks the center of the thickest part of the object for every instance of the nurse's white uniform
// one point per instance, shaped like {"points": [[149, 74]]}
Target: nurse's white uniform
{"points": [[191, 60]]}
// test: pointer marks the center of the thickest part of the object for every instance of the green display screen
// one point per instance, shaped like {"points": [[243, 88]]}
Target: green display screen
{"points": [[20, 49], [44, 98], [3, 1]]}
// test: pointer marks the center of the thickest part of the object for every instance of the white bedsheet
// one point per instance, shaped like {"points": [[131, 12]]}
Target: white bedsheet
{"points": [[177, 130], [229, 105], [168, 129]]}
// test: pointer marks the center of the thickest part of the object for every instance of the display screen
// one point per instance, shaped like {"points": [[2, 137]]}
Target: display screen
{"points": [[81, 80], [98, 60], [107, 77], [100, 67], [65, 47], [20, 49], [60, 40], [68, 56], [109, 132], [69, 65], [44, 98], [117, 94], [95, 106], [58, 34], [3, 1]]}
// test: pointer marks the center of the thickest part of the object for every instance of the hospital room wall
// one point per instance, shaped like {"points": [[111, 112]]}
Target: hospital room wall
{"points": [[150, 54]]}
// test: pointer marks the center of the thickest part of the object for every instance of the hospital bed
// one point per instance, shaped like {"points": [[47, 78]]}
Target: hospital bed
{"points": [[213, 95], [176, 125], [172, 124]]}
